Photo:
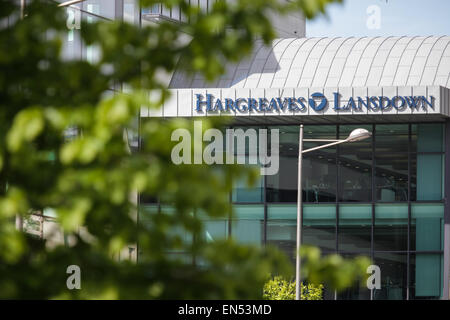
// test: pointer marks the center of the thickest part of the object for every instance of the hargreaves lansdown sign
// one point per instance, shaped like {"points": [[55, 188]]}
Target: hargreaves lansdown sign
{"points": [[317, 102]]}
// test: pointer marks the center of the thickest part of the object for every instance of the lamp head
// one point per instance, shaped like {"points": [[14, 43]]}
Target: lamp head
{"points": [[358, 135]]}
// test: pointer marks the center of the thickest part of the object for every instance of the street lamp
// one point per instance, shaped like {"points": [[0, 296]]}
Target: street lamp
{"points": [[355, 135]]}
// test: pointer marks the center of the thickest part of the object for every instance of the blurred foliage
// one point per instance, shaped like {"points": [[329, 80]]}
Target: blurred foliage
{"points": [[331, 270], [88, 179], [279, 288]]}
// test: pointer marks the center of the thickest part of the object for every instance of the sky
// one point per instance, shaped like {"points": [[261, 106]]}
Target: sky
{"points": [[382, 18]]}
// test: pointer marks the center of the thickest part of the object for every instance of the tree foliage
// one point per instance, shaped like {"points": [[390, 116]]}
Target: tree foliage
{"points": [[279, 288], [87, 180]]}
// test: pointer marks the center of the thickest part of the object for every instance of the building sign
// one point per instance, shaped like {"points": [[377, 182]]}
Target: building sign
{"points": [[317, 102]]}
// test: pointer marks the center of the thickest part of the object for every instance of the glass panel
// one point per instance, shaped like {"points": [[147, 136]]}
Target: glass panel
{"points": [[144, 199], [392, 138], [130, 11], [427, 137], [283, 234], [355, 167], [91, 53], [145, 213], [355, 228], [319, 177], [281, 211], [427, 173], [282, 187], [254, 212], [319, 167], [391, 177], [203, 5], [391, 160], [319, 226], [165, 11], [426, 274], [242, 192], [155, 9], [71, 45], [215, 230], [319, 132], [413, 183], [247, 231], [393, 268], [184, 258], [176, 13], [282, 228], [427, 226], [391, 227], [248, 223], [102, 8]]}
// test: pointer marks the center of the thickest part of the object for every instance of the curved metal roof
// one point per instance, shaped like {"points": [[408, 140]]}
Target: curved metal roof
{"points": [[335, 62]]}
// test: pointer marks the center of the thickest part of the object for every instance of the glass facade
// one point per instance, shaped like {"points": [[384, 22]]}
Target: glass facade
{"points": [[381, 197]]}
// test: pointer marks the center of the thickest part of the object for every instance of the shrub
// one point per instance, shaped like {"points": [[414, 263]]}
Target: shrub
{"points": [[279, 288]]}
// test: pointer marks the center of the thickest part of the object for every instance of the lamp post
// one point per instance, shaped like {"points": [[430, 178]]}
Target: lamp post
{"points": [[355, 135], [69, 3]]}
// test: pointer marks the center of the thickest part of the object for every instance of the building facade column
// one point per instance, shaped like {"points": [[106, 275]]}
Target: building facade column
{"points": [[446, 278]]}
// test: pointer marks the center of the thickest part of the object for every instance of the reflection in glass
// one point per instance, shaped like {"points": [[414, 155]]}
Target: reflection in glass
{"points": [[355, 226], [393, 268], [355, 167], [319, 177], [319, 226], [391, 138], [391, 161], [391, 227], [391, 177], [282, 187], [319, 167]]}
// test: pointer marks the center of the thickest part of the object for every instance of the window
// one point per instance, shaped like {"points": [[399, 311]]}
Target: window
{"points": [[355, 228], [391, 227], [282, 228], [247, 224], [426, 274], [319, 226], [355, 167], [427, 226], [393, 276], [282, 187], [427, 162]]}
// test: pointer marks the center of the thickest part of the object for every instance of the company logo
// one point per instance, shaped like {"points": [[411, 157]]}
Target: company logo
{"points": [[317, 102], [323, 101]]}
